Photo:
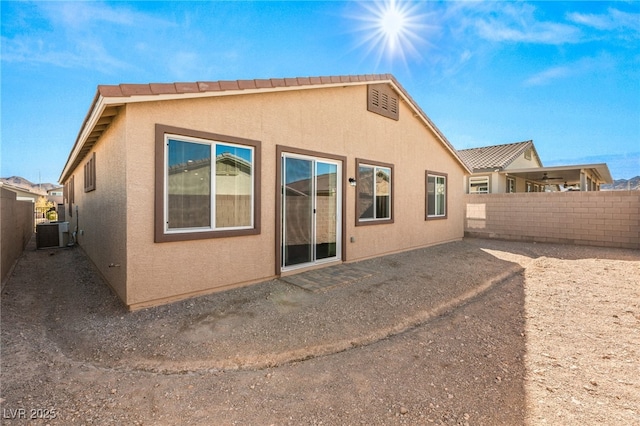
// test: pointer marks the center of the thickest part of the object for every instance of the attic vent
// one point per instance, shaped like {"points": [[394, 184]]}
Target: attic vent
{"points": [[381, 99]]}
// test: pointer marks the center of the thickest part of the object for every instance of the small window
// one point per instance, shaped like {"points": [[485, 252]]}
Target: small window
{"points": [[436, 195], [511, 185], [479, 185], [375, 189], [529, 187], [207, 185], [90, 174]]}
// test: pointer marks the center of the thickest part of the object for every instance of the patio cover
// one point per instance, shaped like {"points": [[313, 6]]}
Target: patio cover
{"points": [[570, 175]]}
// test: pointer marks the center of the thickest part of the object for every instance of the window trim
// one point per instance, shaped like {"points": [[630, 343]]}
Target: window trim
{"points": [[511, 179], [160, 235], [428, 173], [376, 164], [477, 179]]}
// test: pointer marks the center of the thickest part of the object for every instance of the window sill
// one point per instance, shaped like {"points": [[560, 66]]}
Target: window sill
{"points": [[374, 222], [190, 236]]}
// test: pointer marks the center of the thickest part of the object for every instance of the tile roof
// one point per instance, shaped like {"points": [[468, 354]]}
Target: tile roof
{"points": [[493, 157], [127, 90]]}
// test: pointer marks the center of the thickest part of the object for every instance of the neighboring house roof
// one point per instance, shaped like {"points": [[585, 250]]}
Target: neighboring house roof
{"points": [[22, 192], [109, 98], [496, 156]]}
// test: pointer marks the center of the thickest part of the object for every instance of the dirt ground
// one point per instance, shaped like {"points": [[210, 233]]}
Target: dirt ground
{"points": [[476, 332]]}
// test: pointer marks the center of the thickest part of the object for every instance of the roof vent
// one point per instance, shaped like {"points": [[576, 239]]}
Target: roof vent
{"points": [[381, 99]]}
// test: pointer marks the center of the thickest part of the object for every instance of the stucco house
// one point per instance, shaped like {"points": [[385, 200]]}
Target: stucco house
{"points": [[176, 190], [516, 167], [22, 194], [56, 195]]}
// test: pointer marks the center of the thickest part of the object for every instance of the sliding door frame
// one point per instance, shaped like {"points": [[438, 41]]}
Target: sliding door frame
{"points": [[283, 150]]}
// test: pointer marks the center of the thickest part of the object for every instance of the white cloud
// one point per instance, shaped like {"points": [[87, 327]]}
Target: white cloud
{"points": [[580, 67], [548, 75], [614, 19], [84, 35], [539, 32], [85, 53], [600, 22], [84, 16], [517, 23]]}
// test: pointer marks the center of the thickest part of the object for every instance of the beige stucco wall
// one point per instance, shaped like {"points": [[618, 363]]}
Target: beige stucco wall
{"points": [[101, 215], [525, 163], [330, 120], [16, 229]]}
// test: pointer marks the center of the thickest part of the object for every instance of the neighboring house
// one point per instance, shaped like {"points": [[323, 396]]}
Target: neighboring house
{"points": [[308, 172], [22, 194], [516, 167], [55, 195]]}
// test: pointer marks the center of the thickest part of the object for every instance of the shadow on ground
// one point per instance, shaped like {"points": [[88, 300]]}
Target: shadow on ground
{"points": [[435, 334]]}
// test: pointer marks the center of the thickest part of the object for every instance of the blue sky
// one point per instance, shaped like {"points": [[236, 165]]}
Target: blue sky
{"points": [[565, 74]]}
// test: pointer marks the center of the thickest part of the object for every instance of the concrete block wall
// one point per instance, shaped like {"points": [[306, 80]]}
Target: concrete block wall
{"points": [[16, 224], [604, 218]]}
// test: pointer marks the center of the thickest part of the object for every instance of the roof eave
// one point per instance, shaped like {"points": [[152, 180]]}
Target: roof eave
{"points": [[90, 117]]}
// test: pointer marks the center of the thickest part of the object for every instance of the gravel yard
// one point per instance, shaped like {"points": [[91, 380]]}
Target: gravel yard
{"points": [[476, 332]]}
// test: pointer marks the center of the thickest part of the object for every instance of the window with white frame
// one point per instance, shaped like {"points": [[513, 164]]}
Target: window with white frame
{"points": [[479, 185], [436, 195], [374, 183], [207, 187], [511, 185]]}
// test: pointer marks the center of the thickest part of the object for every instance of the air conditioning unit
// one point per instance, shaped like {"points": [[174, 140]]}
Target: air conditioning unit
{"points": [[54, 234]]}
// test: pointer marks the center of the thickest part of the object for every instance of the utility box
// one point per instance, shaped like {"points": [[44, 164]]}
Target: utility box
{"points": [[63, 233], [54, 234]]}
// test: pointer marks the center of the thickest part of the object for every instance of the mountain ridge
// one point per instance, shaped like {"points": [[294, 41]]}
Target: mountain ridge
{"points": [[632, 184], [20, 182]]}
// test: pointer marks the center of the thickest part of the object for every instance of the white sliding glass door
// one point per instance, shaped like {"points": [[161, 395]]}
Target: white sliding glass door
{"points": [[311, 210]]}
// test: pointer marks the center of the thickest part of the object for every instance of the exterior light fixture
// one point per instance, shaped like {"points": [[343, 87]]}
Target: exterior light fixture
{"points": [[352, 181]]}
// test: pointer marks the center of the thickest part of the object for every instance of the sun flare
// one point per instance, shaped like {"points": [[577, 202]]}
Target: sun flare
{"points": [[392, 24], [392, 29]]}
